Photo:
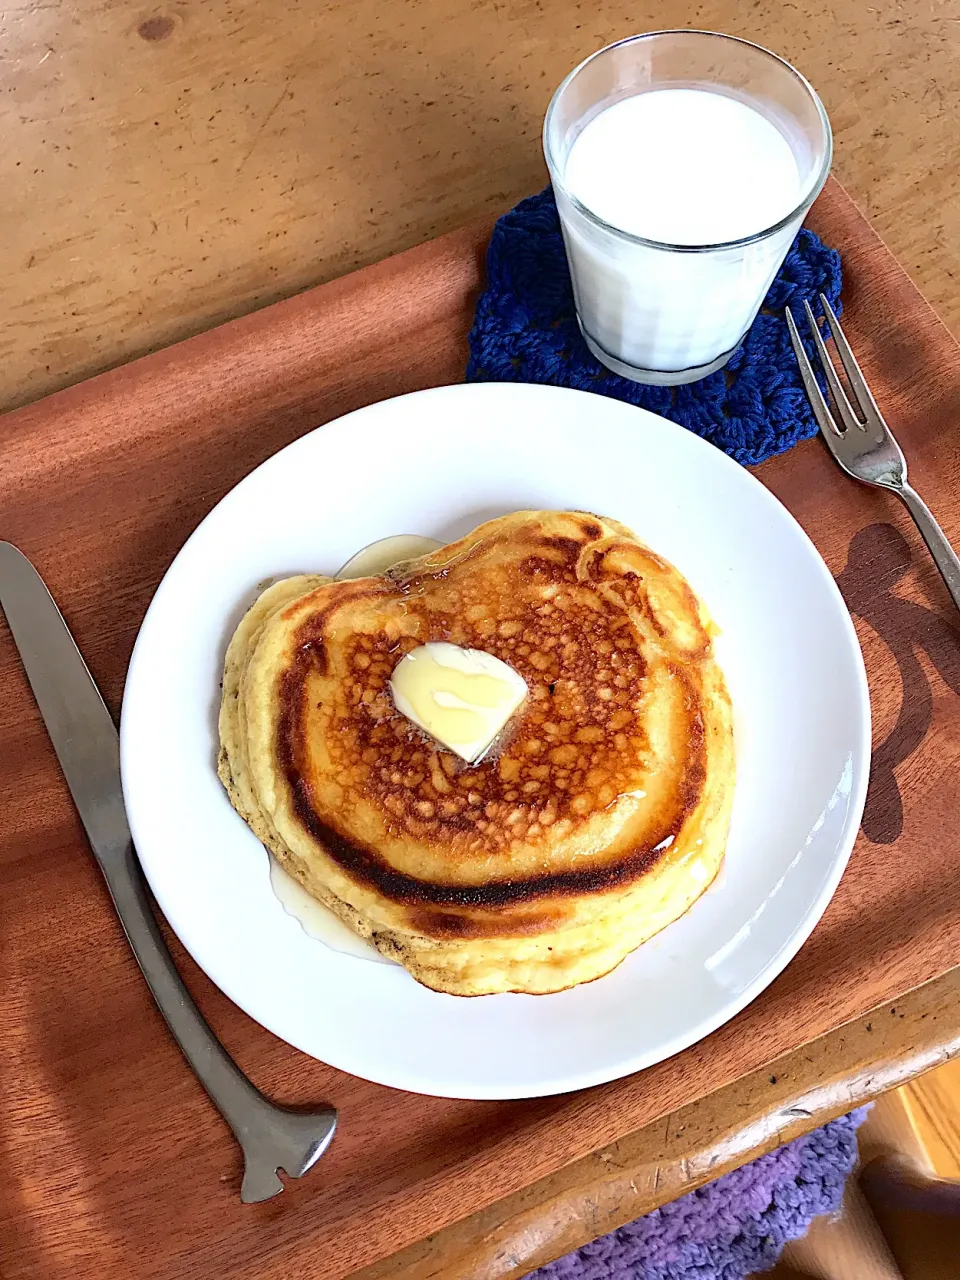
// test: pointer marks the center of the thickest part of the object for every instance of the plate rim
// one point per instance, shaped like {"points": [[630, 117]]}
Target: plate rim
{"points": [[791, 944]]}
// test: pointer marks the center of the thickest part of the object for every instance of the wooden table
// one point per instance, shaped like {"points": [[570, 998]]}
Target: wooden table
{"points": [[168, 167]]}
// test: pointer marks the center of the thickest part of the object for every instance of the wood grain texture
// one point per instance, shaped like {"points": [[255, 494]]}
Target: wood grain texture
{"points": [[826, 1078], [932, 1104], [168, 165], [852, 1246], [111, 1158]]}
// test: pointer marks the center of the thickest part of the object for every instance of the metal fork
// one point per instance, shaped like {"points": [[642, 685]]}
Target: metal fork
{"points": [[863, 444]]}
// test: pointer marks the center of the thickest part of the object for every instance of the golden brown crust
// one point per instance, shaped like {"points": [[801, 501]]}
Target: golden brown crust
{"points": [[592, 802]]}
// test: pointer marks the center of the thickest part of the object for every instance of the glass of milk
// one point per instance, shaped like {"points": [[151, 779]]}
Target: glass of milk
{"points": [[683, 164]]}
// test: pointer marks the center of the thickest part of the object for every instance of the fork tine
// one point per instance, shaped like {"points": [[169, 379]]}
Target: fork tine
{"points": [[850, 419], [821, 410], [858, 383]]}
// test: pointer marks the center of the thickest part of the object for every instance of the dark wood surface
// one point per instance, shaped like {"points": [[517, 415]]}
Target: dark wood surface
{"points": [[888, 1047], [111, 1159]]}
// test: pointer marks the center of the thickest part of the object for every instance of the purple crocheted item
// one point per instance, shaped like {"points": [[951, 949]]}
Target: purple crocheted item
{"points": [[732, 1227], [525, 330]]}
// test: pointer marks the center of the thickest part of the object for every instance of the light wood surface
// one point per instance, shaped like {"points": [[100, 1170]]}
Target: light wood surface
{"points": [[169, 165], [908, 1176], [110, 1158], [913, 1125], [166, 167], [932, 1105], [619, 1182]]}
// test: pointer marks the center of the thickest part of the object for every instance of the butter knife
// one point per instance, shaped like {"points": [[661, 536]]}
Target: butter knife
{"points": [[88, 748]]}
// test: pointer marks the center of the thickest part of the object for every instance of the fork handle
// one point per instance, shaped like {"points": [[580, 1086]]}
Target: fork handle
{"points": [[944, 556]]}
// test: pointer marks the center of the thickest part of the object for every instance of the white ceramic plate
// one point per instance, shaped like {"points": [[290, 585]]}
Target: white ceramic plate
{"points": [[438, 463]]}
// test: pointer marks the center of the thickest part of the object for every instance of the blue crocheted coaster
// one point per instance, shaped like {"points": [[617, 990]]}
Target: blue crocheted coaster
{"points": [[525, 330]]}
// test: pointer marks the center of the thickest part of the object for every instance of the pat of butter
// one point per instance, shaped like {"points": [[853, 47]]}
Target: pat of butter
{"points": [[461, 697]]}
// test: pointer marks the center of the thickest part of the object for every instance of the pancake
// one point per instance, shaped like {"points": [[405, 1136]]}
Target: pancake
{"points": [[231, 764], [597, 820]]}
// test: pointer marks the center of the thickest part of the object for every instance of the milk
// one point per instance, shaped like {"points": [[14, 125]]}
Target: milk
{"points": [[679, 167], [684, 166]]}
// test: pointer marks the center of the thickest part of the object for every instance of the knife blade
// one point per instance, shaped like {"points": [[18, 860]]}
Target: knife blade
{"points": [[80, 726], [87, 746]]}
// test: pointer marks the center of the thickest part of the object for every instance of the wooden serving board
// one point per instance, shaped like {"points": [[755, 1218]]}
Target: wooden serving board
{"points": [[112, 1161]]}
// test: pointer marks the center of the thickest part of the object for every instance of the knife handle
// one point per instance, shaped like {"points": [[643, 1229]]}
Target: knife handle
{"points": [[270, 1136]]}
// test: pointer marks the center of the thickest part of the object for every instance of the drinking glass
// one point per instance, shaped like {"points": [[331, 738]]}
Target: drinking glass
{"points": [[671, 313]]}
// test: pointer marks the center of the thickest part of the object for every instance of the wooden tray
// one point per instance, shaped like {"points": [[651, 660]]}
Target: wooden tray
{"points": [[111, 1159]]}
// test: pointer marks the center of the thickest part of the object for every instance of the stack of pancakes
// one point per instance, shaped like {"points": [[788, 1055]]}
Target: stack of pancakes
{"points": [[598, 818]]}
